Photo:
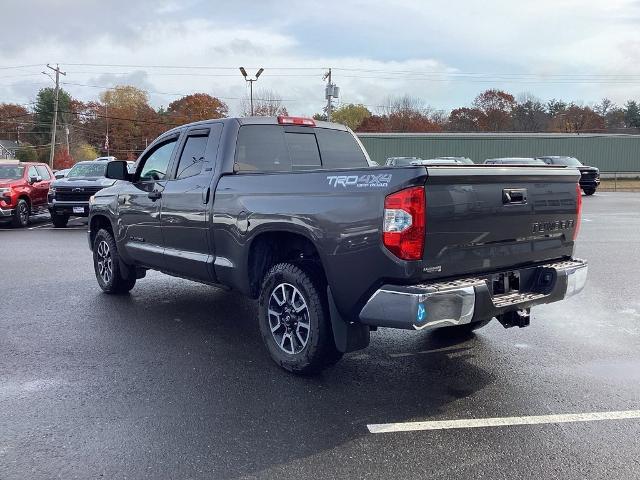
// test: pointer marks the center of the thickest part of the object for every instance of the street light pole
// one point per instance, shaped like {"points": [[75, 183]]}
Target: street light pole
{"points": [[251, 80], [55, 112]]}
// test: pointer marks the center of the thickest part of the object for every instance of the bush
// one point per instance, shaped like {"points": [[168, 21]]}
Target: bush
{"points": [[27, 154], [62, 159]]}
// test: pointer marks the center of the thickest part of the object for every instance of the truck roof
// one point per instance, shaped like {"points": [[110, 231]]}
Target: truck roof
{"points": [[256, 121]]}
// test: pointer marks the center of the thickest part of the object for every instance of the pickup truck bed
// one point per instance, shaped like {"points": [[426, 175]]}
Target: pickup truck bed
{"points": [[354, 248]]}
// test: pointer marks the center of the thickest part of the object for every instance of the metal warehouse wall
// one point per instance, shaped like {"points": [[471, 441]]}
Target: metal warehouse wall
{"points": [[610, 153]]}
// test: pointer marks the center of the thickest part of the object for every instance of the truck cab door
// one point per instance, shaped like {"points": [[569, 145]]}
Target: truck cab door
{"points": [[186, 198], [43, 186], [38, 195], [139, 206]]}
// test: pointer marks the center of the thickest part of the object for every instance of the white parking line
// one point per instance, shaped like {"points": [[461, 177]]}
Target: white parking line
{"points": [[502, 421]]}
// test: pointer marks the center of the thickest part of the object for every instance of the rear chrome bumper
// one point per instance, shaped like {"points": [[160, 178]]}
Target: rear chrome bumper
{"points": [[470, 299]]}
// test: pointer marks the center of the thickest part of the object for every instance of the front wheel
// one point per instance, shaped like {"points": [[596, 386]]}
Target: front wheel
{"points": [[21, 214], [294, 319], [589, 190], [106, 264], [59, 221]]}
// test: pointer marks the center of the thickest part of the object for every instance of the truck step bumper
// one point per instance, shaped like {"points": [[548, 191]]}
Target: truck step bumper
{"points": [[466, 300]]}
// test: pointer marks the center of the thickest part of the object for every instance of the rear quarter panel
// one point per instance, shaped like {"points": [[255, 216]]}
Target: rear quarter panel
{"points": [[340, 211]]}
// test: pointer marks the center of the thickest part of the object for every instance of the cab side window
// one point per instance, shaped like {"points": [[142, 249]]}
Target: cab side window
{"points": [[43, 172], [32, 172], [156, 164], [192, 157], [262, 148]]}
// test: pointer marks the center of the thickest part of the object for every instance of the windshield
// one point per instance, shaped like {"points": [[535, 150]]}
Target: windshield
{"points": [[12, 172], [568, 161], [88, 170]]}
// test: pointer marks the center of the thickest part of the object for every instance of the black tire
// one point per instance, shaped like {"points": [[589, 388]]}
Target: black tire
{"points": [[59, 221], [283, 330], [21, 214], [106, 264], [589, 191]]}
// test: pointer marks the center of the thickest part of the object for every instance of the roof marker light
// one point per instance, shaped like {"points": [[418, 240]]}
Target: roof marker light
{"points": [[305, 122]]}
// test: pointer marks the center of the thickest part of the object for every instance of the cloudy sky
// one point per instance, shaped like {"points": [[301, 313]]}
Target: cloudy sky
{"points": [[442, 52]]}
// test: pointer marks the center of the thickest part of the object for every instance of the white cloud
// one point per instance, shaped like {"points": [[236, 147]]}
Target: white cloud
{"points": [[368, 44]]}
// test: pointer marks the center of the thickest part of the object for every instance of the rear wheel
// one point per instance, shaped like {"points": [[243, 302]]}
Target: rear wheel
{"points": [[294, 319], [589, 190], [106, 264], [59, 221], [21, 214]]}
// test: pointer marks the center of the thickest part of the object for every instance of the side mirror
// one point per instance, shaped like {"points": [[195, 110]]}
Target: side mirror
{"points": [[117, 170], [36, 179]]}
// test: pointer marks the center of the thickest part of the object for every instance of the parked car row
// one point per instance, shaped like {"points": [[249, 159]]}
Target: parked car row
{"points": [[589, 176], [31, 188]]}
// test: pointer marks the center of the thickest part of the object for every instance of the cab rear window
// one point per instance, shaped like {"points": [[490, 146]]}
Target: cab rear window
{"points": [[271, 148]]}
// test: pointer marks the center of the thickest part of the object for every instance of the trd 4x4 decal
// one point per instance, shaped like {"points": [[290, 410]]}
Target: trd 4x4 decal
{"points": [[360, 181]]}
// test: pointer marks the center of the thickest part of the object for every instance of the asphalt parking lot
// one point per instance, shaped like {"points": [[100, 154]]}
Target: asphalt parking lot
{"points": [[172, 381]]}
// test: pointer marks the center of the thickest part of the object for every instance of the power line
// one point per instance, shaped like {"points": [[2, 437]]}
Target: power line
{"points": [[10, 67], [179, 94]]}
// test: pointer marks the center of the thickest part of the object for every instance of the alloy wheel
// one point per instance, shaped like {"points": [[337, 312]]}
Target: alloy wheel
{"points": [[105, 264], [289, 318], [23, 212]]}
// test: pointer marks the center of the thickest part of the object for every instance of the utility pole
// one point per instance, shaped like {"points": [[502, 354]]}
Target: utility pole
{"points": [[66, 132], [251, 80], [55, 111], [106, 137], [331, 91]]}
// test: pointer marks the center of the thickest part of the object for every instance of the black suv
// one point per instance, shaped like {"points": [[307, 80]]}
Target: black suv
{"points": [[69, 196], [589, 176]]}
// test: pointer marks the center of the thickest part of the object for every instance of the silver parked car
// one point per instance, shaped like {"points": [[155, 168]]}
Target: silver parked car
{"points": [[514, 161]]}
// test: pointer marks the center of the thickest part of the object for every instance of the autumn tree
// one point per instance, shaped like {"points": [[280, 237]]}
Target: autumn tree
{"points": [[612, 114], [373, 124], [529, 115], [84, 151], [62, 159], [132, 122], [408, 114], [496, 106], [266, 103], [465, 120], [351, 115], [196, 107], [14, 120], [576, 119]]}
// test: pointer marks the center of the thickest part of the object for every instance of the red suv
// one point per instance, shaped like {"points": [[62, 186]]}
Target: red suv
{"points": [[23, 190]]}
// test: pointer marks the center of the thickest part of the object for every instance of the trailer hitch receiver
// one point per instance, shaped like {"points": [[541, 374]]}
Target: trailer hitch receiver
{"points": [[518, 318]]}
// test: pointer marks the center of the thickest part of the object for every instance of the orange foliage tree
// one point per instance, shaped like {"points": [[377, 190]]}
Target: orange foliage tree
{"points": [[196, 107], [496, 107]]}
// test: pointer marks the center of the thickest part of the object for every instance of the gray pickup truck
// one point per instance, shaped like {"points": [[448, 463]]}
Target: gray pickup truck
{"points": [[290, 211]]}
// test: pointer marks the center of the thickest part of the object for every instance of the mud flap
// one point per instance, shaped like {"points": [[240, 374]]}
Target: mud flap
{"points": [[348, 336]]}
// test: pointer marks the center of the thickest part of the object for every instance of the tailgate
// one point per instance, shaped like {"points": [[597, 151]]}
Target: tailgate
{"points": [[481, 218]]}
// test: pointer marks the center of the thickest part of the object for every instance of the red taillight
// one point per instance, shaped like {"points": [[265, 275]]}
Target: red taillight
{"points": [[578, 211], [305, 122], [404, 224]]}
